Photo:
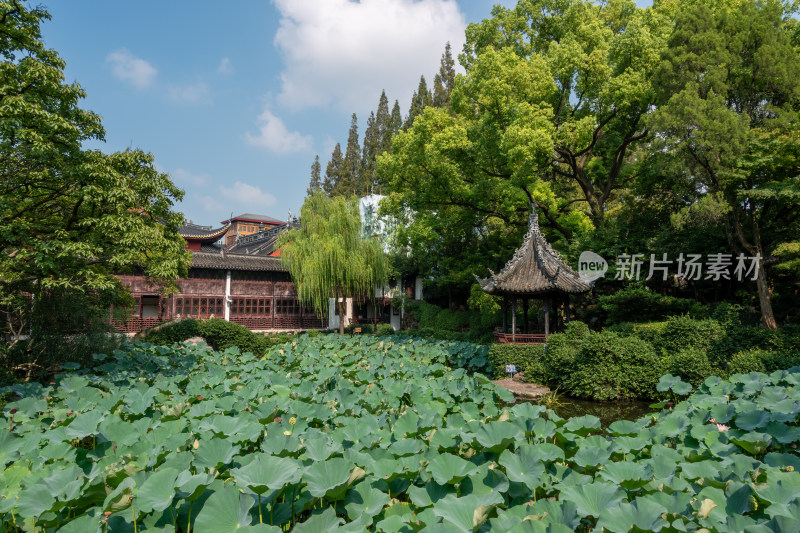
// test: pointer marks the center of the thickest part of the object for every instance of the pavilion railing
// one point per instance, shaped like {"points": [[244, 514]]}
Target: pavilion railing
{"points": [[521, 338]]}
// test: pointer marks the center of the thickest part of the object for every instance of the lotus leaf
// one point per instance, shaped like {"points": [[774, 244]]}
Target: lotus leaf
{"points": [[644, 513], [465, 513], [267, 472], [447, 468], [325, 477], [214, 452], [523, 466], [592, 498]]}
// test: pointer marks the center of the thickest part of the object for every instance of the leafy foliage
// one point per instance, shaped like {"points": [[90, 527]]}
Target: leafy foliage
{"points": [[526, 357], [609, 366], [328, 256], [70, 218], [373, 435], [639, 304]]}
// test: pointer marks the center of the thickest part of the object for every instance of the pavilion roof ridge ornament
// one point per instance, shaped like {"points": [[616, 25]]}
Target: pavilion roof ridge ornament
{"points": [[534, 269]]}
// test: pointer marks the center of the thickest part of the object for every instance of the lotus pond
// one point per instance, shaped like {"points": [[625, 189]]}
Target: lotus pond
{"points": [[367, 434]]}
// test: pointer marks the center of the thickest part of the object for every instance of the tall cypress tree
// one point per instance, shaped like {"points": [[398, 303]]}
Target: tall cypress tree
{"points": [[443, 82], [370, 150], [395, 124], [384, 122], [333, 171], [420, 100], [348, 177], [316, 178]]}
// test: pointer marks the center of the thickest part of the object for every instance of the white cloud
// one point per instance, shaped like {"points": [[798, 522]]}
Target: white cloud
{"points": [[225, 66], [343, 53], [131, 69], [184, 176], [274, 136], [247, 196], [196, 93]]}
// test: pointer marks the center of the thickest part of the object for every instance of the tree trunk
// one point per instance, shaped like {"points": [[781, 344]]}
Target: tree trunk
{"points": [[764, 293], [764, 297]]}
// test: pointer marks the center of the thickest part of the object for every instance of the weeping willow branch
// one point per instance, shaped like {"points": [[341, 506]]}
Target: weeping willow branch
{"points": [[328, 257]]}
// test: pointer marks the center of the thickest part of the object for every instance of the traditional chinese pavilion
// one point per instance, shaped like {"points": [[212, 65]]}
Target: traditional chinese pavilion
{"points": [[536, 271], [241, 281]]}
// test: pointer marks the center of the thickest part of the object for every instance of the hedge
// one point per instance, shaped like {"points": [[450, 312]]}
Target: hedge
{"points": [[218, 333], [526, 357]]}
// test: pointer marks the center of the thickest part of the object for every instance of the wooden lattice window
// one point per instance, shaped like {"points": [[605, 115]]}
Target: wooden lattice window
{"points": [[251, 306]]}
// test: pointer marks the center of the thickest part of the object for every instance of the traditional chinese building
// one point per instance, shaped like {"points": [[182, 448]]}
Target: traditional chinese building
{"points": [[248, 224], [241, 280], [535, 271]]}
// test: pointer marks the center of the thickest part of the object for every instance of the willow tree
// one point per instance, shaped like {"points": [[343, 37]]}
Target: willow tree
{"points": [[328, 257]]}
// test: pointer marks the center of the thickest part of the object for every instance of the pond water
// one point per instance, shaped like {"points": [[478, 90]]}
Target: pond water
{"points": [[607, 412]]}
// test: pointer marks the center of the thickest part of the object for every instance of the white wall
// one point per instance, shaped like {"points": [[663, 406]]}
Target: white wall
{"points": [[333, 318]]}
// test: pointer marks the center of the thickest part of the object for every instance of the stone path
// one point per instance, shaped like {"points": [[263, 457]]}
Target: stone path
{"points": [[521, 390]]}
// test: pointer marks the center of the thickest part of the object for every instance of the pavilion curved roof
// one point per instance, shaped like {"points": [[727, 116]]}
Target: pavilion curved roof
{"points": [[204, 234], [534, 270]]}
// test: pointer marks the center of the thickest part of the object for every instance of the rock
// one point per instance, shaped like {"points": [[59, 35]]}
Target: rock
{"points": [[522, 391]]}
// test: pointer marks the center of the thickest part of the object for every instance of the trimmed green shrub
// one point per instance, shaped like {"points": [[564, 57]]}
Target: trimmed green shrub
{"points": [[729, 315], [384, 329], [741, 338], [430, 333], [638, 304], [788, 339], [480, 336], [365, 328], [692, 366], [779, 361], [745, 362], [222, 335], [559, 355], [576, 329], [422, 312], [173, 332], [686, 333], [526, 357], [276, 339], [609, 366], [452, 320], [649, 331]]}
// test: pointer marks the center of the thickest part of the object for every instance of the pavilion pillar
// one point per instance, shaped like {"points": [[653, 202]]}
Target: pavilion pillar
{"points": [[505, 314], [566, 308], [525, 315], [547, 315], [513, 319]]}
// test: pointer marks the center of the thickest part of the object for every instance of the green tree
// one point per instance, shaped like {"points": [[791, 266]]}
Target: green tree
{"points": [[548, 112], [395, 125], [333, 171], [328, 256], [71, 218], [729, 103], [444, 79], [369, 151], [315, 184], [349, 182], [383, 119], [419, 101]]}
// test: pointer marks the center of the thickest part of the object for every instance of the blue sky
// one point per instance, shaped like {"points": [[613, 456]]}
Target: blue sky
{"points": [[235, 99]]}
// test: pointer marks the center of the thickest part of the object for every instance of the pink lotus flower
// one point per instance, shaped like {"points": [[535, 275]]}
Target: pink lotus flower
{"points": [[720, 427]]}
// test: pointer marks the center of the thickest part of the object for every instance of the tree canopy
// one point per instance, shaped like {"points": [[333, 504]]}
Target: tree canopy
{"points": [[671, 126], [328, 255], [70, 218]]}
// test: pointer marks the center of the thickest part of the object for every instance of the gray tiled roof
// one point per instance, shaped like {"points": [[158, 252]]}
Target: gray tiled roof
{"points": [[201, 232], [257, 218], [227, 261], [535, 270]]}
